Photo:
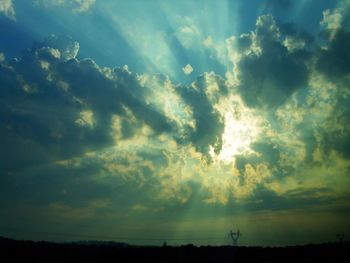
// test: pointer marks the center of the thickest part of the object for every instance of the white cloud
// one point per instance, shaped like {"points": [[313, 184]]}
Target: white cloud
{"points": [[6, 8], [293, 44], [86, 118], [61, 47], [49, 52], [189, 35], [208, 41], [76, 6], [83, 5], [332, 20], [188, 69]]}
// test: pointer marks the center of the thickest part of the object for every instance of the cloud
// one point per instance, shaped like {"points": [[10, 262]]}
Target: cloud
{"points": [[188, 34], [208, 41], [332, 64], [332, 20], [188, 69], [85, 119], [57, 107], [83, 5], [333, 59], [7, 9], [148, 133], [76, 6], [150, 144], [209, 124], [267, 72], [332, 187], [68, 49]]}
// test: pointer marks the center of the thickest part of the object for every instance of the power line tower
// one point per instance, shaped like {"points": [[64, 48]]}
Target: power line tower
{"points": [[340, 237], [235, 236]]}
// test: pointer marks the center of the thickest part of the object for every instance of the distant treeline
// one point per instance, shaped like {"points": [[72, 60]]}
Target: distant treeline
{"points": [[13, 250]]}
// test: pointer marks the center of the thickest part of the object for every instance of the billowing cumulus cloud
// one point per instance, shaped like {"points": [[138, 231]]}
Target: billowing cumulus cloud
{"points": [[268, 67], [57, 106]]}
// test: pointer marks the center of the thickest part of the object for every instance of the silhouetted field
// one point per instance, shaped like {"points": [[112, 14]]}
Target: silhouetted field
{"points": [[24, 251]]}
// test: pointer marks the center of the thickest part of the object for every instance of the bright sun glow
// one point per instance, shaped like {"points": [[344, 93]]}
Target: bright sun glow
{"points": [[242, 128]]}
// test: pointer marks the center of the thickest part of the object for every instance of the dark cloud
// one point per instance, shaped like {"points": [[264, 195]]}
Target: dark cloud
{"points": [[44, 93], [43, 129], [300, 198], [209, 125], [65, 44], [338, 140], [292, 30], [334, 61], [269, 73]]}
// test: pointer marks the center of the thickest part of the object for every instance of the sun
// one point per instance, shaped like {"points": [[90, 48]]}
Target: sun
{"points": [[242, 127]]}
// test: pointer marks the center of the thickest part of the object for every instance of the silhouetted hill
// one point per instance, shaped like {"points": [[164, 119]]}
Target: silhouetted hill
{"points": [[96, 251]]}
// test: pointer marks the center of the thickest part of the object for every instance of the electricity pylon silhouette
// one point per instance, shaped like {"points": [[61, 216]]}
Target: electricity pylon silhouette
{"points": [[235, 236], [340, 237]]}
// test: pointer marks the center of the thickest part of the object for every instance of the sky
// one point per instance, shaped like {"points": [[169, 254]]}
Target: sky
{"points": [[175, 121]]}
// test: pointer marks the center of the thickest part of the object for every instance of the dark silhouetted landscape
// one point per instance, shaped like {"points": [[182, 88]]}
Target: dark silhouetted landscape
{"points": [[95, 251]]}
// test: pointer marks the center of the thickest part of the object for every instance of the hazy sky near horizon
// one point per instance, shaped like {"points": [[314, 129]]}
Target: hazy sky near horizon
{"points": [[175, 120]]}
